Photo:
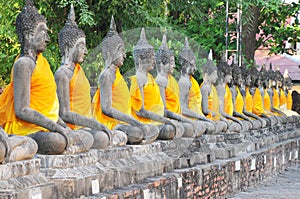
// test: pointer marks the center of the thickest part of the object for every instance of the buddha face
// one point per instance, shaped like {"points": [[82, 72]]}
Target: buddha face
{"points": [[120, 55], [239, 79], [191, 67], [39, 38], [78, 51], [228, 78], [172, 65], [279, 83], [247, 80], [148, 62], [213, 76]]}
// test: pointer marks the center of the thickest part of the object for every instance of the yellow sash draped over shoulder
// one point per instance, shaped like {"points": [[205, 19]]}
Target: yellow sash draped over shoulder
{"points": [[275, 98], [172, 95], [267, 100], [152, 99], [120, 101], [80, 97], [239, 101], [282, 98], [228, 104], [258, 108], [248, 100], [194, 97], [43, 99], [289, 101]]}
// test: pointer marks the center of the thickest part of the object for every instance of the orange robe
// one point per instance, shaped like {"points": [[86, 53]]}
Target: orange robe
{"points": [[267, 101], [258, 108], [172, 95], [152, 99], [275, 98], [120, 101], [80, 97], [248, 100], [239, 101], [228, 104], [213, 103], [289, 101], [194, 98], [282, 98], [43, 99]]}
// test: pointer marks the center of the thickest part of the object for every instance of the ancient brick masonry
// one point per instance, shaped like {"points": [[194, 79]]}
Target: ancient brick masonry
{"points": [[215, 180], [206, 167]]}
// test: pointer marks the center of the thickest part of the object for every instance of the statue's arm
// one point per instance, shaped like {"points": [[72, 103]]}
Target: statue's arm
{"points": [[204, 102], [23, 69], [221, 108], [162, 91], [184, 93], [273, 109], [63, 93], [235, 113], [106, 101], [148, 114]]}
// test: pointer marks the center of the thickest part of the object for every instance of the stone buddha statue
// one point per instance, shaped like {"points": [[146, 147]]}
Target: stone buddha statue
{"points": [[285, 97], [32, 105], [112, 98], [210, 100], [273, 89], [238, 100], [146, 103], [225, 96], [248, 99], [169, 89], [190, 96], [73, 88], [257, 91]]}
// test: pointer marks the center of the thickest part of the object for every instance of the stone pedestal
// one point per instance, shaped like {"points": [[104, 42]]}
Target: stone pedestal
{"points": [[73, 175], [22, 179], [187, 152], [133, 163]]}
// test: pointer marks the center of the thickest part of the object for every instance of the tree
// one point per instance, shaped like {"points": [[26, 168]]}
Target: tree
{"points": [[201, 21]]}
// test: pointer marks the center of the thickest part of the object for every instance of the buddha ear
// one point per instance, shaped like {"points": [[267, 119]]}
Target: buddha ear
{"points": [[66, 51]]}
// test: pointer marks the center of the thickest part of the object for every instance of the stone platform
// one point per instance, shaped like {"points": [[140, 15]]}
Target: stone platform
{"points": [[23, 179], [211, 166]]}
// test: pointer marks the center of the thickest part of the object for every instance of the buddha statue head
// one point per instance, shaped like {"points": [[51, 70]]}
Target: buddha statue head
{"points": [[165, 60], [187, 59], [31, 29], [224, 72], [287, 80], [113, 48], [237, 78], [279, 77], [255, 77], [210, 70], [264, 76], [71, 40], [246, 76], [143, 54]]}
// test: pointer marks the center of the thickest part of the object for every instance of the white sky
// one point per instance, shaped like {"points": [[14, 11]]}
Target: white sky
{"points": [[290, 1]]}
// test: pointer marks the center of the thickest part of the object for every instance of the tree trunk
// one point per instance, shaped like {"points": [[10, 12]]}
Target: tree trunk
{"points": [[249, 31]]}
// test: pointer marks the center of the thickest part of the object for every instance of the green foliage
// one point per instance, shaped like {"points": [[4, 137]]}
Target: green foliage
{"points": [[203, 22]]}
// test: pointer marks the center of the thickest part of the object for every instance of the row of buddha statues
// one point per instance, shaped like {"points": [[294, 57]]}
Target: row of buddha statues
{"points": [[52, 114]]}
